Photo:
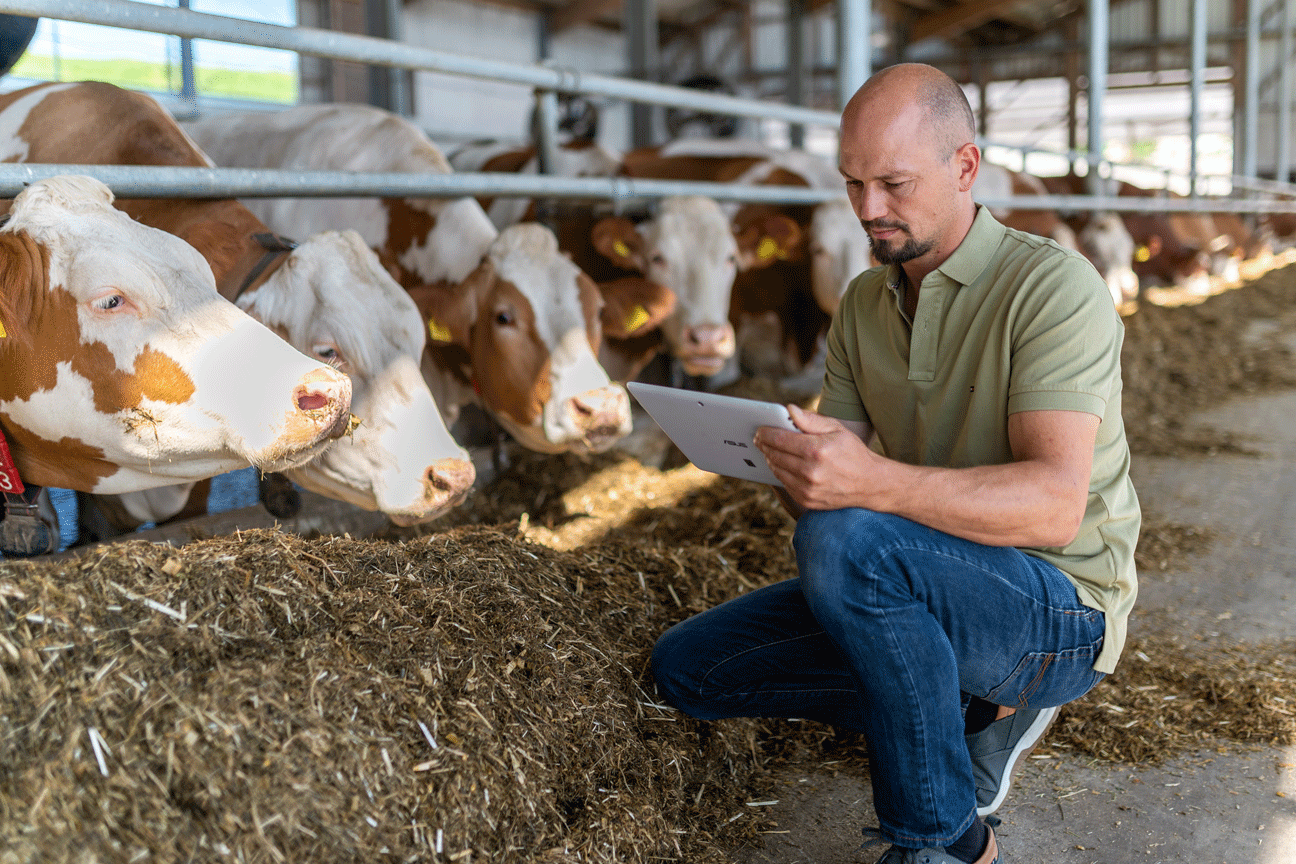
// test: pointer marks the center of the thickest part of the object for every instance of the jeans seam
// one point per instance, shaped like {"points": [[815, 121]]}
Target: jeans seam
{"points": [[704, 689]]}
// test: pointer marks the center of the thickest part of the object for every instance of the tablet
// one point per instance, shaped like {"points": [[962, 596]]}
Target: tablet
{"points": [[715, 432]]}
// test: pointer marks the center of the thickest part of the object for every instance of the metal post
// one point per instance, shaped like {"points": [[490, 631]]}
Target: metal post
{"points": [[1282, 168], [401, 102], [796, 72], [1098, 32], [1198, 62], [642, 47], [854, 47], [1251, 109], [547, 131], [188, 89]]}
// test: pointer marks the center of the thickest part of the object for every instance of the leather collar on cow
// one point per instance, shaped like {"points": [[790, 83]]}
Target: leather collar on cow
{"points": [[274, 246]]}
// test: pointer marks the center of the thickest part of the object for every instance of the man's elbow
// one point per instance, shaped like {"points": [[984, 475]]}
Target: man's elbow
{"points": [[1063, 527]]}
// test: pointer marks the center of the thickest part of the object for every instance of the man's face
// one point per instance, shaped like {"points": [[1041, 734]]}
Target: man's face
{"points": [[901, 186]]}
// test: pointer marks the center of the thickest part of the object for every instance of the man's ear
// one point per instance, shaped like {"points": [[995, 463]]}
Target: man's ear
{"points": [[772, 238], [968, 161], [449, 310], [617, 240], [634, 306]]}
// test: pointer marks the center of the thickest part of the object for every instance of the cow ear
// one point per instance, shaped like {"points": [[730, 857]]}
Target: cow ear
{"points": [[23, 279], [774, 238], [448, 310], [634, 306], [616, 239]]}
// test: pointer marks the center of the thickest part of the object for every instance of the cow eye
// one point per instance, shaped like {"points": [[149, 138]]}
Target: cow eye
{"points": [[658, 259], [327, 353], [504, 317], [108, 302]]}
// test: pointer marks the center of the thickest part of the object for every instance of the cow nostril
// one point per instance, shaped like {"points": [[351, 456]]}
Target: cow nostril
{"points": [[451, 475], [312, 401], [580, 409]]}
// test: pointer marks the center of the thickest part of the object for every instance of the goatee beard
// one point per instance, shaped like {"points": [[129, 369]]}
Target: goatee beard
{"points": [[905, 252]]}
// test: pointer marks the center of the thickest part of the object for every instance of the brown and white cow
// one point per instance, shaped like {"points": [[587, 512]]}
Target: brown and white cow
{"points": [[528, 352], [329, 297], [123, 369]]}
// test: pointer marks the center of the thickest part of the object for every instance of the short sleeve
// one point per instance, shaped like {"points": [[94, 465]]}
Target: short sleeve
{"points": [[1066, 341]]}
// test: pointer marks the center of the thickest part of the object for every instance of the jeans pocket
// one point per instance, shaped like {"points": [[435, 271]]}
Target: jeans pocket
{"points": [[1047, 678]]}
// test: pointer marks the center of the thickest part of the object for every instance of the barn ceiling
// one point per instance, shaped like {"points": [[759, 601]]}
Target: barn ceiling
{"points": [[987, 22]]}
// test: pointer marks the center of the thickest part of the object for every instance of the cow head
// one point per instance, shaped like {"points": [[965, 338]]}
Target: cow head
{"points": [[332, 299], [689, 248], [122, 369], [839, 251], [528, 319], [1107, 243]]}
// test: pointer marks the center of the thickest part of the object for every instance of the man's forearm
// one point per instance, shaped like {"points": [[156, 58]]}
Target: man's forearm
{"points": [[1017, 504]]}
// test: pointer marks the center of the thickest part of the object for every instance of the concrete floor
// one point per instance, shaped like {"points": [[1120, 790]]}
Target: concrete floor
{"points": [[1225, 805]]}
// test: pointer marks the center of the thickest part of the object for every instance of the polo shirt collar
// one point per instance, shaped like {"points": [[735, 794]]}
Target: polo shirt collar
{"points": [[974, 254]]}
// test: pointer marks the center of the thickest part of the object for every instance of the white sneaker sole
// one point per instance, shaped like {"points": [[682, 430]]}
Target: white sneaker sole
{"points": [[1034, 733]]}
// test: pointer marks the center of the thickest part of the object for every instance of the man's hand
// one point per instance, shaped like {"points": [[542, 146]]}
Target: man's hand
{"points": [[824, 466]]}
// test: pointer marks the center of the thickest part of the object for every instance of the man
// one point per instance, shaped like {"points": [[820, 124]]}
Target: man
{"points": [[972, 569]]}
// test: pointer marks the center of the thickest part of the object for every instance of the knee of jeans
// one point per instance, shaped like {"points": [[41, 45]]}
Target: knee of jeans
{"points": [[833, 553], [672, 669]]}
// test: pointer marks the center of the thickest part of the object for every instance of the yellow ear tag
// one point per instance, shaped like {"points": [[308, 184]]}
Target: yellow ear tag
{"points": [[767, 249], [620, 248], [439, 332], [1142, 254], [635, 318], [3, 334]]}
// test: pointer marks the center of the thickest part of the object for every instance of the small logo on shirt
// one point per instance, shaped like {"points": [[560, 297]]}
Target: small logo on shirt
{"points": [[735, 444]]}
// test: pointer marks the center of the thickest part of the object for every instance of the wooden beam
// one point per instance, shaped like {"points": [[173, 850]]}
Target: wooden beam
{"points": [[582, 12], [958, 19]]}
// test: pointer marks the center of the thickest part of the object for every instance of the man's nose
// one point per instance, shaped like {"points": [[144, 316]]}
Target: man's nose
{"points": [[870, 205]]}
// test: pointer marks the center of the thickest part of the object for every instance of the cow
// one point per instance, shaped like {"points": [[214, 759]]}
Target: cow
{"points": [[526, 350], [121, 367], [1168, 249], [805, 255], [400, 459]]}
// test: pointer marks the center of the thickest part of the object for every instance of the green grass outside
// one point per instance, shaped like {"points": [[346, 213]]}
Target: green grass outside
{"points": [[142, 75]]}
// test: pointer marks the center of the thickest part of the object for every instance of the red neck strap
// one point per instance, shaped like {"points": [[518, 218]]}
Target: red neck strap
{"points": [[9, 479]]}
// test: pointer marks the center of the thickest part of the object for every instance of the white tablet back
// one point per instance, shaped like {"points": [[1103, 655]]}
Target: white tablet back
{"points": [[715, 432]]}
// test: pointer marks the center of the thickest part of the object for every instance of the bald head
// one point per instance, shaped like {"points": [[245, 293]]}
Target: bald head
{"points": [[905, 87]]}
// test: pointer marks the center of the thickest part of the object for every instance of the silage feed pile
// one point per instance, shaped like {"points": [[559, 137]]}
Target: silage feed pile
{"points": [[466, 696], [477, 689]]}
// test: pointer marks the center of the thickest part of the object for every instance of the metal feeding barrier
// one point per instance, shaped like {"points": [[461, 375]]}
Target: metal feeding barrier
{"points": [[545, 80]]}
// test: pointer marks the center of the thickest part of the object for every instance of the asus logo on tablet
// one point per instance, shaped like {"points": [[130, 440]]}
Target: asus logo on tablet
{"points": [[735, 444]]}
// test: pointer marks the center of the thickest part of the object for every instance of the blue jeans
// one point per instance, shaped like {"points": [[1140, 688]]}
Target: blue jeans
{"points": [[887, 630]]}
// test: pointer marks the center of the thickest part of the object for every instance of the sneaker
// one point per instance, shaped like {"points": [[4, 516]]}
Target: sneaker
{"points": [[896, 855], [999, 750]]}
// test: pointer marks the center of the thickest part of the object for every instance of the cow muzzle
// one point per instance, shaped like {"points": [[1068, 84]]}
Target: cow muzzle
{"points": [[599, 418], [705, 348], [320, 412]]}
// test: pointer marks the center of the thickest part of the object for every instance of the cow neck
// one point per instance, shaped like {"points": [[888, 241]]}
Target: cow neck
{"points": [[275, 250]]}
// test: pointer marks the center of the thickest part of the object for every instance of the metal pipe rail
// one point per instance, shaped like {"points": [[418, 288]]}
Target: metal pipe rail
{"points": [[186, 23], [151, 181]]}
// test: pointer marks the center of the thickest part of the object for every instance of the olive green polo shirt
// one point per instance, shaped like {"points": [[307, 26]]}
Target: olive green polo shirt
{"points": [[1010, 322]]}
